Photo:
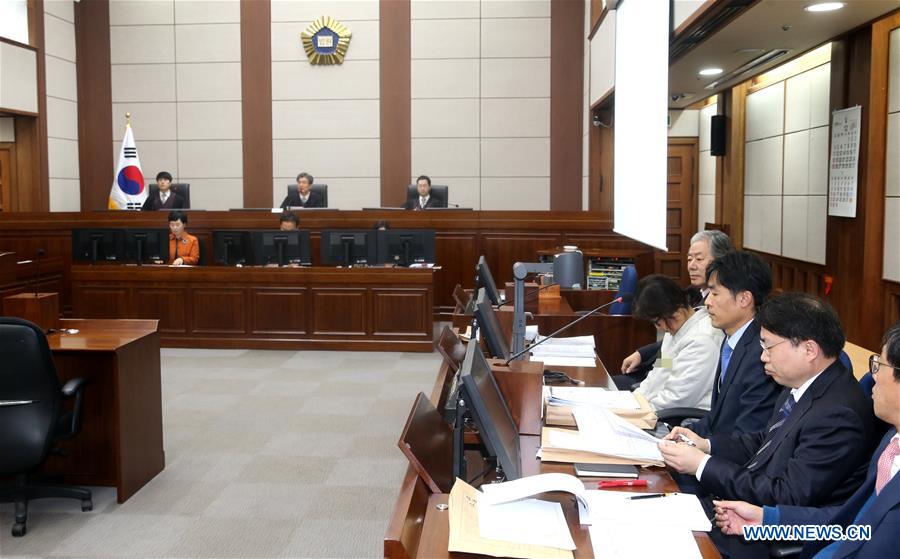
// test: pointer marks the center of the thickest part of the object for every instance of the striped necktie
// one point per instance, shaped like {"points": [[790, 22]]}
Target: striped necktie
{"points": [[783, 413]]}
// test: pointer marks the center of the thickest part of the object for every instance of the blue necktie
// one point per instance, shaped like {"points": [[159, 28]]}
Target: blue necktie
{"points": [[783, 413], [726, 358]]}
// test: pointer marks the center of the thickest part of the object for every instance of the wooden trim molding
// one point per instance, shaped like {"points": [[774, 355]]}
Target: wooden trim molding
{"points": [[95, 125], [566, 104], [395, 103], [256, 102], [31, 132]]}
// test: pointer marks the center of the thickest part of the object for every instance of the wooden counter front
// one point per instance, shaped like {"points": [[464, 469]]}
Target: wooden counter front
{"points": [[374, 309]]}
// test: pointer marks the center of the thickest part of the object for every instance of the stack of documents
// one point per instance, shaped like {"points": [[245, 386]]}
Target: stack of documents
{"points": [[602, 437], [632, 407], [565, 352]]}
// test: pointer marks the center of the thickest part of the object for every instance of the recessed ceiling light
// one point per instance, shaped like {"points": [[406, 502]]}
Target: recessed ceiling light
{"points": [[824, 7], [710, 71]]}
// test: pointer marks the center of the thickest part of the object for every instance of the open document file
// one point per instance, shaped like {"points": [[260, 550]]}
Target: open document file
{"points": [[602, 436], [562, 352]]}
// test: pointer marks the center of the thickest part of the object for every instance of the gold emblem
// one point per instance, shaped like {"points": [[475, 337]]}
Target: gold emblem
{"points": [[326, 41]]}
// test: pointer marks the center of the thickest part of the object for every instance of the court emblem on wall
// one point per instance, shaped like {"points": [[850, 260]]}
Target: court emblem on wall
{"points": [[325, 41]]}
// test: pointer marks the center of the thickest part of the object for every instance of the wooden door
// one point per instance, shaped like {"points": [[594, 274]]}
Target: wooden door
{"points": [[681, 208], [6, 177]]}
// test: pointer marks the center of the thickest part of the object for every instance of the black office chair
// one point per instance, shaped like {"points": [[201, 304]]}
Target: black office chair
{"points": [[183, 189], [322, 189], [439, 191], [32, 417]]}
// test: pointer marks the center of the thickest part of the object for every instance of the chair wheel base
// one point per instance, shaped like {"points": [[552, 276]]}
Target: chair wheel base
{"points": [[18, 530], [87, 505]]}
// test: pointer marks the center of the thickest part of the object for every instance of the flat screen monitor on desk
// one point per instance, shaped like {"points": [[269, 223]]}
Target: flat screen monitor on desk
{"points": [[91, 245], [146, 245], [485, 403], [281, 247], [348, 248], [489, 327], [406, 246], [232, 247], [484, 278]]}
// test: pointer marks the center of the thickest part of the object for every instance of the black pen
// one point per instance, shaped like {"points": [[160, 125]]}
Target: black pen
{"points": [[652, 496]]}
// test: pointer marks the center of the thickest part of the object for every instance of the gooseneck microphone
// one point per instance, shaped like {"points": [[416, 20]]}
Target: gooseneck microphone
{"points": [[620, 299], [530, 295]]}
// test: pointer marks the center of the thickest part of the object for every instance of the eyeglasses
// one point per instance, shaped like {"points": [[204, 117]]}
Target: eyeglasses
{"points": [[766, 348], [875, 364]]}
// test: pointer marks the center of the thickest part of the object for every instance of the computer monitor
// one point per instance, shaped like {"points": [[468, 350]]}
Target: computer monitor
{"points": [[488, 409], [489, 327], [91, 245], [281, 247], [146, 245], [484, 278], [348, 248], [232, 247], [406, 246]]}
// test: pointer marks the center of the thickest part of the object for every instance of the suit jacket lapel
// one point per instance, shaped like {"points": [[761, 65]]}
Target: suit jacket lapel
{"points": [[888, 499]]}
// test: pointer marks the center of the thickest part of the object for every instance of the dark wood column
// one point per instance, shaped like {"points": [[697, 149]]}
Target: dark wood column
{"points": [[256, 101], [566, 104], [395, 104]]}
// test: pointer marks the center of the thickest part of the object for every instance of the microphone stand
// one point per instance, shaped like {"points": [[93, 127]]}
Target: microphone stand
{"points": [[37, 274]]}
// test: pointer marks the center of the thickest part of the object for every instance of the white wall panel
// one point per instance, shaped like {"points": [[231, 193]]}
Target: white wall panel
{"points": [[209, 82], [151, 121], [807, 99], [892, 239], [820, 96], [816, 220], [515, 157], [762, 166], [444, 118], [444, 79], [603, 59], [18, 78], [141, 12], [527, 77], [684, 124], [444, 38], [286, 43], [794, 242], [516, 193], [308, 10], [892, 161], [209, 121], [894, 72], [339, 158], [444, 9], [217, 194], [210, 159], [707, 174], [796, 163], [143, 82], [325, 119], [706, 210], [207, 11], [510, 118], [155, 155], [515, 38], [208, 43], [351, 193], [446, 157], [62, 158], [62, 119], [61, 80], [59, 38], [465, 192], [65, 195], [515, 8], [765, 112], [818, 160], [300, 80], [762, 223], [63, 9], [706, 114], [129, 44]]}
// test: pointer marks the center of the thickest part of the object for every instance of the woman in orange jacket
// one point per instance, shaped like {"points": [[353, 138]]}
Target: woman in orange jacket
{"points": [[184, 249]]}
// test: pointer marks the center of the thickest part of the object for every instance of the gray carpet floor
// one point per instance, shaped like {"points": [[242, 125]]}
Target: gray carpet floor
{"points": [[268, 454]]}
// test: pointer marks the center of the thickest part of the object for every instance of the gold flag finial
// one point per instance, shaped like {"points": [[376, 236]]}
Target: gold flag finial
{"points": [[128, 118]]}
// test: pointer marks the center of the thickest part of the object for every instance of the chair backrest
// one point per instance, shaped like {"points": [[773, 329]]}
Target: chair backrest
{"points": [[322, 189], [439, 191], [626, 287], [27, 374], [183, 189]]}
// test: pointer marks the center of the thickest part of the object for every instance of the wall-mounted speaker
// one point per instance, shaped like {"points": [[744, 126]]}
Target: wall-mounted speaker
{"points": [[717, 135]]}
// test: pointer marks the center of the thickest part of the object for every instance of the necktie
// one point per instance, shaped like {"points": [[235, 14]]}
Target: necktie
{"points": [[726, 358], [884, 465], [783, 413], [304, 199], [163, 198], [422, 202]]}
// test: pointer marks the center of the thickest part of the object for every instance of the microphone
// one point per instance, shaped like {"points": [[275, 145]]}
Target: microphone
{"points": [[530, 295], [620, 299], [37, 274]]}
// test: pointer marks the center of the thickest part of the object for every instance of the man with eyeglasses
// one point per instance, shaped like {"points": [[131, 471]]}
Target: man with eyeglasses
{"points": [[814, 449], [875, 504]]}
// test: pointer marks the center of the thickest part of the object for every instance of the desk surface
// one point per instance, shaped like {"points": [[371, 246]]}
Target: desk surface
{"points": [[99, 334]]}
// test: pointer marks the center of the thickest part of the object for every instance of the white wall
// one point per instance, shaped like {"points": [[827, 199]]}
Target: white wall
{"points": [[706, 198], [62, 105], [892, 170], [325, 119], [480, 94], [603, 58], [786, 167], [18, 78], [176, 67], [586, 105]]}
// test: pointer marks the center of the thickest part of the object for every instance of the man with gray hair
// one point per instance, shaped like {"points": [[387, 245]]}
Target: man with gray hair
{"points": [[705, 247]]}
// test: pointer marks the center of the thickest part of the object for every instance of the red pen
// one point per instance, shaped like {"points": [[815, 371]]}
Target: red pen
{"points": [[622, 483]]}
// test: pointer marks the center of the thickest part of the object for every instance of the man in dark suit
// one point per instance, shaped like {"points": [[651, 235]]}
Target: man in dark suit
{"points": [[425, 200], [813, 450], [743, 395], [164, 198], [875, 504], [304, 197]]}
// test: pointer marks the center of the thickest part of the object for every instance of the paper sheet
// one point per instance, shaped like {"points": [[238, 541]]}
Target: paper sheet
{"points": [[555, 361], [529, 521], [680, 510], [606, 433], [528, 486], [622, 540], [593, 396]]}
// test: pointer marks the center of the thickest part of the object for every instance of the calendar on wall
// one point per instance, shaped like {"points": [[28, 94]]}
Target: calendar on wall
{"points": [[843, 165]]}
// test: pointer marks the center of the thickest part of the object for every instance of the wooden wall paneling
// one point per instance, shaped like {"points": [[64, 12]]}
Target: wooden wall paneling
{"points": [[394, 312], [681, 209], [891, 304], [730, 192], [457, 254], [256, 102], [27, 194], [100, 300], [566, 104], [502, 251], [395, 100], [219, 311], [7, 175], [279, 311], [600, 165], [599, 9], [338, 310], [166, 303], [34, 195], [95, 124]]}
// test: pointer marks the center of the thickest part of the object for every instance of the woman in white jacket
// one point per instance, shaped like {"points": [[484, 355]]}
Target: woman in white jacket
{"points": [[683, 376]]}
